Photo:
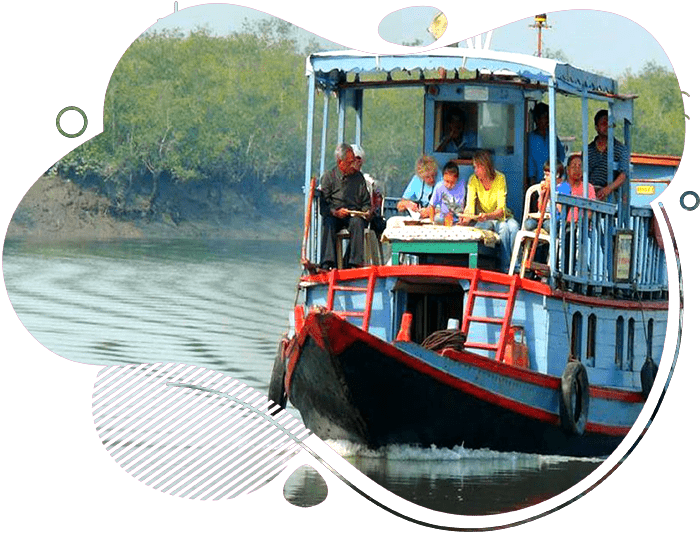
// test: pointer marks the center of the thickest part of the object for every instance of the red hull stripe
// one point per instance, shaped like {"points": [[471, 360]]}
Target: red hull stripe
{"points": [[344, 334]]}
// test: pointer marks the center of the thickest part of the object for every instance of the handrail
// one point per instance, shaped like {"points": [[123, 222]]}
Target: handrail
{"points": [[307, 222], [586, 250]]}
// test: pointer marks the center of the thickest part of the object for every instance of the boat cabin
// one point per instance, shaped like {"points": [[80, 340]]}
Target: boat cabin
{"points": [[613, 249]]}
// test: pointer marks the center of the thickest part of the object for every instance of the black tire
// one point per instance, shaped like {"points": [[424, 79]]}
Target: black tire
{"points": [[648, 375], [276, 390], [574, 398]]}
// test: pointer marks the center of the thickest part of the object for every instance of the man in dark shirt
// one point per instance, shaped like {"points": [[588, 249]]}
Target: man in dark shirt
{"points": [[344, 195], [598, 159]]}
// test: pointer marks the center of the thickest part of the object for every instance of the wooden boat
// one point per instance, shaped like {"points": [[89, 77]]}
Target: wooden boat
{"points": [[436, 347]]}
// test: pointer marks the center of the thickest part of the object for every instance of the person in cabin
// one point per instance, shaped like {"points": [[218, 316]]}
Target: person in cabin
{"points": [[538, 144], [447, 202], [486, 205], [457, 138], [419, 190], [598, 159], [345, 203], [376, 221]]}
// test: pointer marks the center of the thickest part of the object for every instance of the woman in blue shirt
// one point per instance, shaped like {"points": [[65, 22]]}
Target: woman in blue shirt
{"points": [[419, 190]]}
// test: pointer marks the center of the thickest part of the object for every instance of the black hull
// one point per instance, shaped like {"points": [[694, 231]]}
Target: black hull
{"points": [[365, 394]]}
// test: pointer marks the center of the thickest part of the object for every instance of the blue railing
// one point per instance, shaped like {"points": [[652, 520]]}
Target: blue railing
{"points": [[596, 251]]}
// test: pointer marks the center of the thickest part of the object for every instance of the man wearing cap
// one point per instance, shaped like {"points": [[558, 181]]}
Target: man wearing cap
{"points": [[344, 190]]}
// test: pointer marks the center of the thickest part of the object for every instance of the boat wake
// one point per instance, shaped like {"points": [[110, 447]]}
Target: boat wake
{"points": [[414, 453]]}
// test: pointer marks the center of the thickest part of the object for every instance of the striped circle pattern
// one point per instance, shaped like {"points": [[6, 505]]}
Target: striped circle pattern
{"points": [[192, 432]]}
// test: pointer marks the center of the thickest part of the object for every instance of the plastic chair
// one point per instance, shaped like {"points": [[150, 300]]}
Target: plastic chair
{"points": [[525, 238]]}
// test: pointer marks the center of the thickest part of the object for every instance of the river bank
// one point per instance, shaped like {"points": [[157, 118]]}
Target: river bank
{"points": [[56, 209]]}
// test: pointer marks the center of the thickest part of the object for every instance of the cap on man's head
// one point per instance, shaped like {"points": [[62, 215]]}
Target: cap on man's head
{"points": [[357, 150]]}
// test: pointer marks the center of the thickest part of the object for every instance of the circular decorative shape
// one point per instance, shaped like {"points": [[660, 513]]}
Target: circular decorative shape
{"points": [[305, 487], [58, 121], [574, 398], [695, 197]]}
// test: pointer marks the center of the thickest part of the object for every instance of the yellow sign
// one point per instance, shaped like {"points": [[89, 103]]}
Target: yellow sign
{"points": [[646, 189]]}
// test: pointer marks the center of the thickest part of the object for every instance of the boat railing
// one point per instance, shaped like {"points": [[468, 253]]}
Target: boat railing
{"points": [[597, 253]]}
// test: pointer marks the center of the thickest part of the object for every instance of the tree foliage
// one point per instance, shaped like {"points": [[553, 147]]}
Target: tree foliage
{"points": [[659, 120], [231, 112]]}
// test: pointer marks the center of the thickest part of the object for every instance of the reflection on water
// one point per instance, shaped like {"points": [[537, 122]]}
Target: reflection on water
{"points": [[224, 305], [465, 481]]}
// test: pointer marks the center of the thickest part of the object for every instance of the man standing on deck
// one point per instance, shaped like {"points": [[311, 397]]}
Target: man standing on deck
{"points": [[343, 191], [598, 159], [538, 145]]}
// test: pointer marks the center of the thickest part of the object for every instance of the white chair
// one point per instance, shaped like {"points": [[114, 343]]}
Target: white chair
{"points": [[525, 238]]}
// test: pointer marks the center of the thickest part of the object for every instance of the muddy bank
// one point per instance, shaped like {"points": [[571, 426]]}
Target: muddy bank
{"points": [[55, 209]]}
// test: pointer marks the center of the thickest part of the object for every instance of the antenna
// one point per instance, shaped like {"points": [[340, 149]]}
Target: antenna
{"points": [[540, 23]]}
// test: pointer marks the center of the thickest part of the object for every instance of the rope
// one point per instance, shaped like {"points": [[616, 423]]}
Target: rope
{"points": [[443, 339], [644, 322], [572, 358]]}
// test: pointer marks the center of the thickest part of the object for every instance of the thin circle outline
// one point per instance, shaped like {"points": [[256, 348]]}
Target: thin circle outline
{"points": [[692, 194], [58, 121]]}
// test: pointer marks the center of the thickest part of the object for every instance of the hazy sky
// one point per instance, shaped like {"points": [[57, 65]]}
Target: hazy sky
{"points": [[592, 40]]}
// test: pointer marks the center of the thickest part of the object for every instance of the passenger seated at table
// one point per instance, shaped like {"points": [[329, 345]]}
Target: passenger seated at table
{"points": [[448, 198], [486, 205], [419, 190], [344, 197]]}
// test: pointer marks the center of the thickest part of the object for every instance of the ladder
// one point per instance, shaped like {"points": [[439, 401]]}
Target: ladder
{"points": [[469, 317], [335, 287]]}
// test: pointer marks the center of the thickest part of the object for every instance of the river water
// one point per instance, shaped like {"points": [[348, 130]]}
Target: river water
{"points": [[224, 305]]}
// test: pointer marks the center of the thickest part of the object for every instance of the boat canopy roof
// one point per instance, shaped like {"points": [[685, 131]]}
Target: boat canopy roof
{"points": [[331, 68]]}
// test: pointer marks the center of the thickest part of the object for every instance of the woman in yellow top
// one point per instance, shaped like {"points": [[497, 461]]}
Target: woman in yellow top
{"points": [[486, 205]]}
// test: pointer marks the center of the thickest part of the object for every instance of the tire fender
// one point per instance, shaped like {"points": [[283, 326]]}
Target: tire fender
{"points": [[276, 392], [648, 375], [574, 398]]}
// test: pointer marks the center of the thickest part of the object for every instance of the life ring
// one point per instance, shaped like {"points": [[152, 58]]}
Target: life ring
{"points": [[574, 398], [648, 375], [276, 392]]}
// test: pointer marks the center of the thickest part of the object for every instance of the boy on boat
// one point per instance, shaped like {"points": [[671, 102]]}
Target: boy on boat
{"points": [[447, 202]]}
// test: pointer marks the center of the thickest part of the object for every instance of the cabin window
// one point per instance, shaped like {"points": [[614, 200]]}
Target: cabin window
{"points": [[619, 341], [480, 125], [590, 342], [630, 344], [650, 336], [576, 327]]}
